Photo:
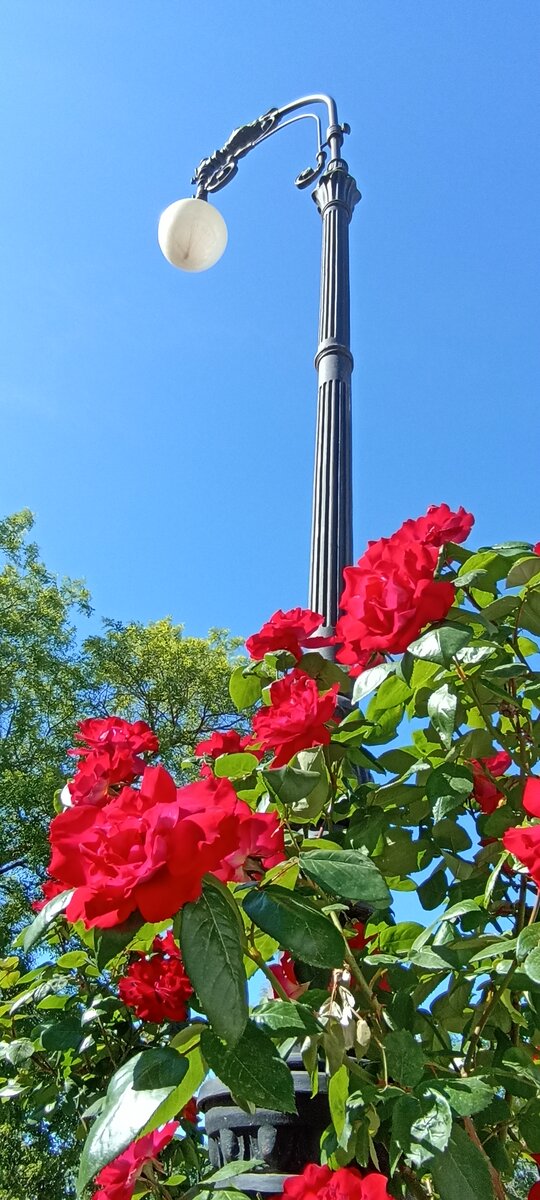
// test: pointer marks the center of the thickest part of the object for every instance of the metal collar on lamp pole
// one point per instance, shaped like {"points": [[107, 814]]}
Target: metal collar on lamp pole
{"points": [[193, 235]]}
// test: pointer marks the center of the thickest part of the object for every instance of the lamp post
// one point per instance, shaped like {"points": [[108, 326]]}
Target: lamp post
{"points": [[192, 235]]}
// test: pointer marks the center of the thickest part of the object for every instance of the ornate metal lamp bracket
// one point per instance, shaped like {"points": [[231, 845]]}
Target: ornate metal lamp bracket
{"points": [[214, 172]]}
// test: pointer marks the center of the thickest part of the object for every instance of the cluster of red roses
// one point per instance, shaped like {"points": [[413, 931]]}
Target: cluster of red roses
{"points": [[118, 1180], [145, 849], [156, 986], [391, 593], [348, 1183]]}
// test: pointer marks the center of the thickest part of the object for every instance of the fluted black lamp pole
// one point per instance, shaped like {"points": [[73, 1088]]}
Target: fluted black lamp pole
{"points": [[182, 235]]}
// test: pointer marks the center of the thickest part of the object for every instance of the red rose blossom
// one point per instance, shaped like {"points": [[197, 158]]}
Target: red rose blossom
{"points": [[286, 631], [438, 526], [117, 1180], [296, 717], [228, 741], [390, 596], [534, 1193], [348, 1183], [190, 1111], [536, 548], [147, 850], [110, 754], [485, 792], [531, 796], [156, 987]]}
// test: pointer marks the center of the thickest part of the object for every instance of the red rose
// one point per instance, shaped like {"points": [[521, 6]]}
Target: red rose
{"points": [[536, 548], [390, 596], [284, 972], [296, 717], [438, 526], [228, 741], [531, 796], [110, 756], [524, 844], [286, 631], [486, 794], [50, 888], [117, 1180], [320, 1183], [156, 987], [145, 850], [534, 1193], [259, 846], [190, 1111]]}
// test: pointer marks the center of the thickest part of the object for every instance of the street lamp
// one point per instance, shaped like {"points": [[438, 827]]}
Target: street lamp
{"points": [[192, 235]]}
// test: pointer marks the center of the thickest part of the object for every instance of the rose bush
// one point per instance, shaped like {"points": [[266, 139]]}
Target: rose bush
{"points": [[394, 766]]}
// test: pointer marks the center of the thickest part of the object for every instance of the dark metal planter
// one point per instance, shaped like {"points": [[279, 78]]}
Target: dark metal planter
{"points": [[286, 1142]]}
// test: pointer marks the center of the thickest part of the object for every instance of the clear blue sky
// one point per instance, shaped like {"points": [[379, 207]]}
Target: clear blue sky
{"points": [[161, 425]]}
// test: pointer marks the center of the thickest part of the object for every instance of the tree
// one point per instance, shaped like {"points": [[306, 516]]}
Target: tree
{"points": [[49, 681]]}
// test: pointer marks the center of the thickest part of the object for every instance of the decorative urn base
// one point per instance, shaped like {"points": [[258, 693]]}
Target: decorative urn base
{"points": [[286, 1142]]}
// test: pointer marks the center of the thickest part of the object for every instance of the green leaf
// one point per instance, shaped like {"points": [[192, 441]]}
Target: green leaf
{"points": [[62, 1034], [244, 689], [338, 1092], [404, 1057], [186, 1089], [52, 909], [420, 1127], [531, 966], [17, 1052], [447, 787], [369, 680], [529, 617], [109, 943], [303, 792], [466, 1096], [234, 766], [252, 1069], [286, 1018], [432, 891], [348, 874], [528, 940], [324, 672], [134, 1100], [441, 644], [210, 940], [461, 1171], [529, 1126], [523, 571], [297, 924], [442, 708]]}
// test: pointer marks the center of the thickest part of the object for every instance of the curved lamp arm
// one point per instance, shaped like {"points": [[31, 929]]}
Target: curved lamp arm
{"points": [[219, 168]]}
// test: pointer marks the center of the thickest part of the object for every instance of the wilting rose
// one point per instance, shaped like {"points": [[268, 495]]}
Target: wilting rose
{"points": [[286, 631], [296, 717], [117, 1180], [156, 986], [485, 792]]}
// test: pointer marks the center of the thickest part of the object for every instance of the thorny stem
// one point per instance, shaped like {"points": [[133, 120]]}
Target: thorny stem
{"points": [[486, 1009], [257, 957], [363, 985]]}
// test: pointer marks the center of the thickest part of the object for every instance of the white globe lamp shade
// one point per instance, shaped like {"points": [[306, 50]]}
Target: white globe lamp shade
{"points": [[192, 234]]}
